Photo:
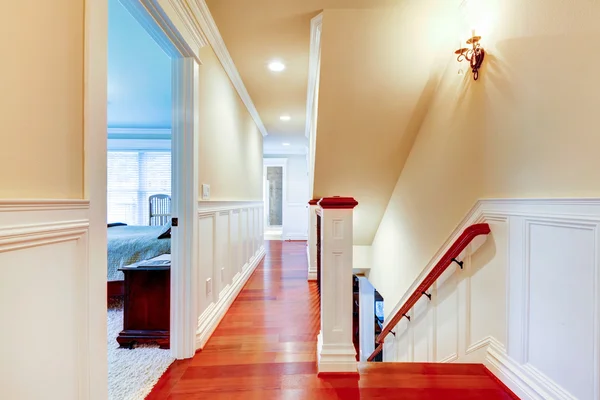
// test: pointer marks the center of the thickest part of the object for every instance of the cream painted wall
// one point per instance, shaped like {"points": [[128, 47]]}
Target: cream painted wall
{"points": [[230, 143], [374, 86], [41, 98], [527, 128]]}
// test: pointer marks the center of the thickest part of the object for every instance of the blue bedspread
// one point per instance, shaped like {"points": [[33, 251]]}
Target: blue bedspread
{"points": [[130, 244]]}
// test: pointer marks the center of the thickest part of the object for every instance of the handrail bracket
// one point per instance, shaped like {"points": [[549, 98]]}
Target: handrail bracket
{"points": [[460, 263], [427, 294]]}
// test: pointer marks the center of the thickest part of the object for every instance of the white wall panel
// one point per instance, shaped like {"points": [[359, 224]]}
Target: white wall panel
{"points": [[228, 231], [235, 243], [422, 326], [205, 260], [486, 288], [445, 302], [222, 251], [244, 253], [44, 299], [560, 297]]}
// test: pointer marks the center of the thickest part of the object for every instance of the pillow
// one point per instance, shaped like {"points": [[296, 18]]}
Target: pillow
{"points": [[115, 224], [165, 232]]}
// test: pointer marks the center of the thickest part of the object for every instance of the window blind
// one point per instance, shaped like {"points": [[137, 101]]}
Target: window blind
{"points": [[132, 177]]}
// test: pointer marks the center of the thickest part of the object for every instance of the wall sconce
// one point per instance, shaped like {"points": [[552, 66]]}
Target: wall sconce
{"points": [[473, 55]]}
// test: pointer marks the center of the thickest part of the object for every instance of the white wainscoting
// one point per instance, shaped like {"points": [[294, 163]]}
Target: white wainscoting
{"points": [[527, 303], [230, 247], [44, 299]]}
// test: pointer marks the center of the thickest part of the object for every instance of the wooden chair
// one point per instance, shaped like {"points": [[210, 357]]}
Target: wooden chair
{"points": [[160, 209]]}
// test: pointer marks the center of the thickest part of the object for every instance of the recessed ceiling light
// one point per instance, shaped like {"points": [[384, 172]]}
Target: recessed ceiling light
{"points": [[276, 66], [285, 118], [285, 144]]}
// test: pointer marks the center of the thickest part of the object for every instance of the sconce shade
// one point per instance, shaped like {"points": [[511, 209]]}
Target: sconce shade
{"points": [[474, 39]]}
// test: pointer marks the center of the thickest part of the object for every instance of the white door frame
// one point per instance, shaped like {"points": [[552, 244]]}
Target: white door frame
{"points": [[170, 23], [275, 162]]}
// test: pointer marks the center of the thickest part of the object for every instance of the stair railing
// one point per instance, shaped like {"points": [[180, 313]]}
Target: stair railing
{"points": [[447, 259]]}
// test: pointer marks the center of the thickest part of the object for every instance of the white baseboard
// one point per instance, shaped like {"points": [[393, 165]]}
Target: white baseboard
{"points": [[336, 358], [523, 380], [214, 313], [295, 236]]}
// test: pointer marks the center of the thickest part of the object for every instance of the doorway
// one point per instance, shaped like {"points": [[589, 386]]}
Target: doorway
{"points": [[139, 197], [164, 24], [274, 195]]}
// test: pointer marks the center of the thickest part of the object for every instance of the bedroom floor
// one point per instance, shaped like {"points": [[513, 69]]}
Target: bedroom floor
{"points": [[131, 373]]}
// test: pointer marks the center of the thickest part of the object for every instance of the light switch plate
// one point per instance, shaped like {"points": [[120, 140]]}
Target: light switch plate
{"points": [[205, 191]]}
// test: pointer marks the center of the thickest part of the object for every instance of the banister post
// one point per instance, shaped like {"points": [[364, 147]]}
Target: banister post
{"points": [[335, 348], [311, 249]]}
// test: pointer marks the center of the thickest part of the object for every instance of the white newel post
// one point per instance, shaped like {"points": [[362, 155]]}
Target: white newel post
{"points": [[311, 249], [335, 349]]}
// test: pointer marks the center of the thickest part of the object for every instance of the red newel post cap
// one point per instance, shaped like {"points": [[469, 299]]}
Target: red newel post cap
{"points": [[338, 202]]}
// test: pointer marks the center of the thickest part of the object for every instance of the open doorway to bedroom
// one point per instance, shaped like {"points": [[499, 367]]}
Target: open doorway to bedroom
{"points": [[139, 197]]}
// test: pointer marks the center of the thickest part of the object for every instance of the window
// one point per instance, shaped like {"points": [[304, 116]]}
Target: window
{"points": [[132, 177]]}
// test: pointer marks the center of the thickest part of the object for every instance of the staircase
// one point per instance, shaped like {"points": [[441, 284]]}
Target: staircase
{"points": [[339, 325]]}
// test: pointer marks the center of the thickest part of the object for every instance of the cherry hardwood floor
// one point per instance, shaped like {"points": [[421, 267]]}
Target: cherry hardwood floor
{"points": [[265, 348]]}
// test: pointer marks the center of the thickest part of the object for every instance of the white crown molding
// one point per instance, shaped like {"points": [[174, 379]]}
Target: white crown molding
{"points": [[313, 69], [171, 24], [209, 28], [186, 15], [138, 131], [12, 205], [136, 145]]}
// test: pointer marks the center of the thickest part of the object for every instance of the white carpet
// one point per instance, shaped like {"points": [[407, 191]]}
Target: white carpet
{"points": [[132, 373]]}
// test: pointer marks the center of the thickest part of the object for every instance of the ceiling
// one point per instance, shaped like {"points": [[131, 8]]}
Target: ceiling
{"points": [[259, 31], [281, 145], [139, 74]]}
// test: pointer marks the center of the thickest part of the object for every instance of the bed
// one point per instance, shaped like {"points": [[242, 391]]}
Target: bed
{"points": [[128, 244]]}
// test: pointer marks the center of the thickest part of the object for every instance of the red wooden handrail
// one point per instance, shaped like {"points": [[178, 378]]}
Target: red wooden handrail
{"points": [[457, 247]]}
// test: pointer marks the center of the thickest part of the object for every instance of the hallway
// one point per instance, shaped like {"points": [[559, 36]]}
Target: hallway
{"points": [[265, 346]]}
